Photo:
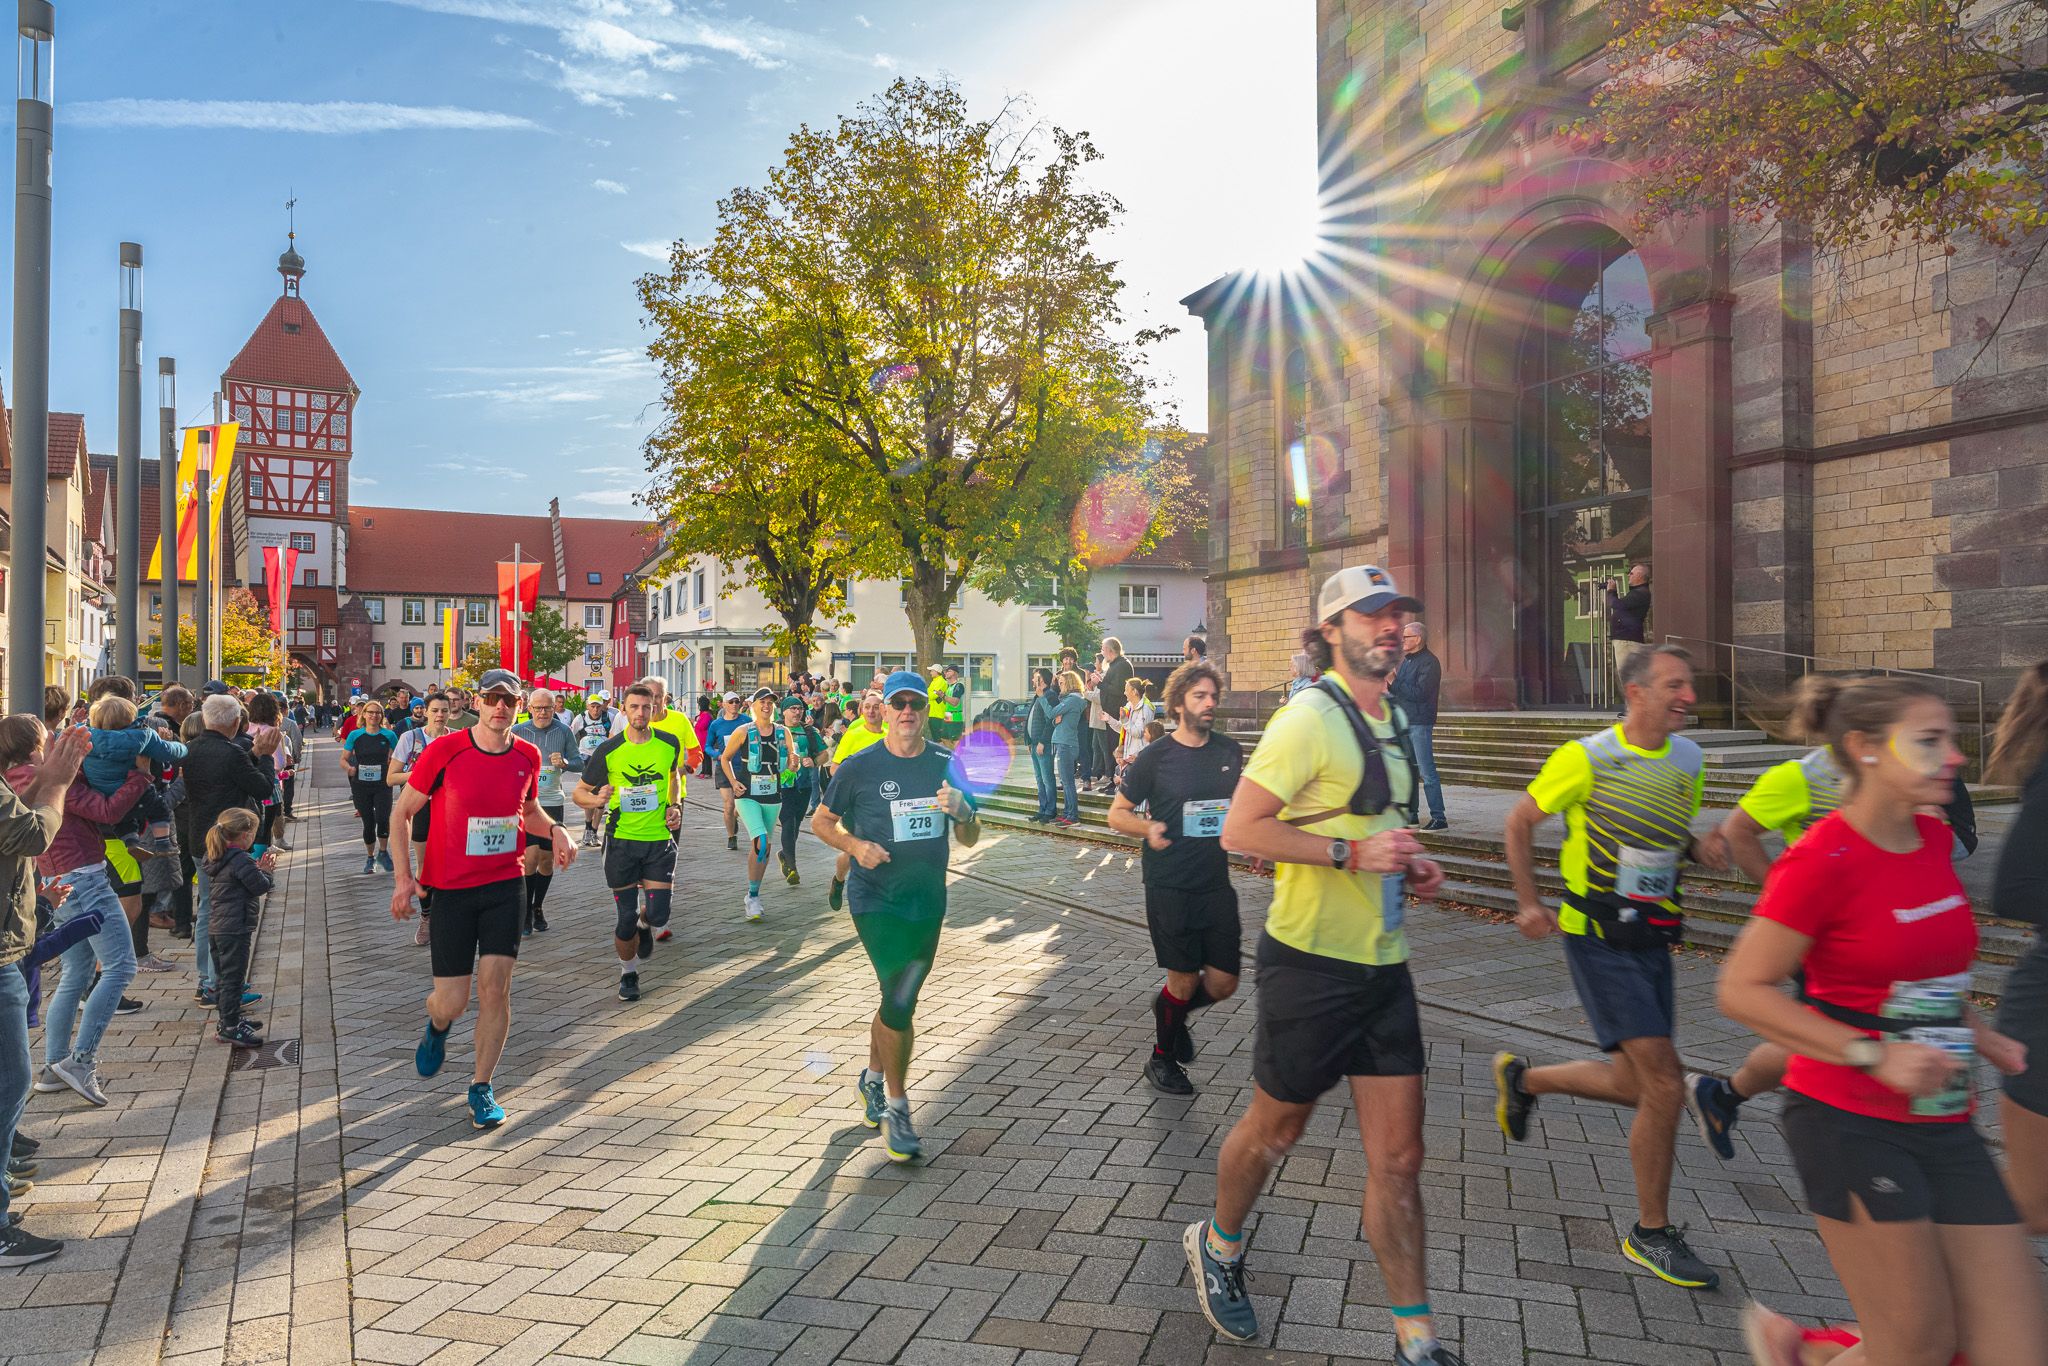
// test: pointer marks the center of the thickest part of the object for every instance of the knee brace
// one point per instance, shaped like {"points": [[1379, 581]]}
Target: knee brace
{"points": [[627, 900], [657, 905]]}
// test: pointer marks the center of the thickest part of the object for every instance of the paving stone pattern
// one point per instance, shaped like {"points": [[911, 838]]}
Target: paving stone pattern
{"points": [[686, 1179]]}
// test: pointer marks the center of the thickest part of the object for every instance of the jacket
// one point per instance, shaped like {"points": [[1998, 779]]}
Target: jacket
{"points": [[220, 774], [1038, 720], [1626, 615], [1416, 684], [238, 889], [25, 832], [80, 841], [1068, 718], [1110, 692]]}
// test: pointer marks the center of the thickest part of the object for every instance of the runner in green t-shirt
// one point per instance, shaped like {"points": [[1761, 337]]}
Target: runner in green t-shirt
{"points": [[636, 776]]}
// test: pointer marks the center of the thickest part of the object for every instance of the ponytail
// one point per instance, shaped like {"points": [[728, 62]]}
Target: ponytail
{"points": [[234, 823]]}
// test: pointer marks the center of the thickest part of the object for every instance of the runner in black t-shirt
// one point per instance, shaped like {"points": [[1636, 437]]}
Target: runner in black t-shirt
{"points": [[1184, 782], [890, 807]]}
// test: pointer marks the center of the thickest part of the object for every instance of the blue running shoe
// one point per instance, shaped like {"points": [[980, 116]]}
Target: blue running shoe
{"points": [[250, 996], [873, 1100], [433, 1050], [384, 862], [484, 1110], [899, 1140], [1714, 1109], [1220, 1286]]}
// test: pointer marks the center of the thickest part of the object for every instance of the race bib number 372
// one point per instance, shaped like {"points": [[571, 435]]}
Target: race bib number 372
{"points": [[491, 835]]}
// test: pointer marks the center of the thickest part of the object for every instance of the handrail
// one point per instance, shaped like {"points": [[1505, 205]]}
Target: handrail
{"points": [[1735, 687]]}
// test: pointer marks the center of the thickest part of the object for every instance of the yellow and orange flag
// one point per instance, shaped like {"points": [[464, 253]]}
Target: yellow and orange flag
{"points": [[223, 439]]}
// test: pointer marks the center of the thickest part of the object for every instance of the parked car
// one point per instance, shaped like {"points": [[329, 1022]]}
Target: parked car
{"points": [[1009, 715]]}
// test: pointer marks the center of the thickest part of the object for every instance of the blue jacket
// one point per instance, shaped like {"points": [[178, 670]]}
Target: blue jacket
{"points": [[1038, 720], [113, 755], [1068, 718]]}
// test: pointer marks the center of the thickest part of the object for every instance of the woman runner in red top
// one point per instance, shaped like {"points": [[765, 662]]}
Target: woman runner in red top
{"points": [[1916, 1219]]}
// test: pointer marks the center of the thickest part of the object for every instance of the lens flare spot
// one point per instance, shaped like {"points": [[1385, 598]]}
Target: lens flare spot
{"points": [[1450, 101], [817, 1062], [985, 754], [891, 375], [1109, 521]]}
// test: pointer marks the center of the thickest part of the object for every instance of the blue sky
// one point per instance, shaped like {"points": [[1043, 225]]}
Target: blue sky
{"points": [[480, 182]]}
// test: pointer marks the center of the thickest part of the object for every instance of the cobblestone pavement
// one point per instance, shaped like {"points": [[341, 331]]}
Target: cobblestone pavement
{"points": [[686, 1179]]}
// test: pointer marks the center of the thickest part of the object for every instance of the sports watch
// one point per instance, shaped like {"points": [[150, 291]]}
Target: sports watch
{"points": [[1863, 1054], [1340, 854]]}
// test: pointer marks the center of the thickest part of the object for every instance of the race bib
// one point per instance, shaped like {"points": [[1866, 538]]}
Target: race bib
{"points": [[589, 743], [369, 773], [549, 785], [1938, 998], [761, 785], [491, 835], [1393, 902], [1203, 820], [639, 800], [917, 818], [1646, 874]]}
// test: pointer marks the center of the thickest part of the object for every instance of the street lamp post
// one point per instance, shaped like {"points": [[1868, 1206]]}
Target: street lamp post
{"points": [[202, 603], [167, 544], [34, 101], [128, 471]]}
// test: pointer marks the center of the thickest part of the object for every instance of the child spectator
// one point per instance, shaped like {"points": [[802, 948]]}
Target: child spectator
{"points": [[1154, 731], [118, 739], [240, 882]]}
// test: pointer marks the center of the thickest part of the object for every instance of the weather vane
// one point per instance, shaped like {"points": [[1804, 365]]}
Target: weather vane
{"points": [[291, 220]]}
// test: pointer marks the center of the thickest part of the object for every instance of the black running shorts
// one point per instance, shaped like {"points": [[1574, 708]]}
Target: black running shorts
{"points": [[544, 841], [473, 922], [1900, 1171], [1323, 1019], [628, 863], [1195, 930]]}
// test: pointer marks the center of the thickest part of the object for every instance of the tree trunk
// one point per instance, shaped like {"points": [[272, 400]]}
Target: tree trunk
{"points": [[929, 607], [799, 644]]}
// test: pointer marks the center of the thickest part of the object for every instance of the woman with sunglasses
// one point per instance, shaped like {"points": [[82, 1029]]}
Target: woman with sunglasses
{"points": [[752, 764]]}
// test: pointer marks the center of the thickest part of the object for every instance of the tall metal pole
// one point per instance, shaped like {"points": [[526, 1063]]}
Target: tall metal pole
{"points": [[128, 624], [35, 123], [202, 603], [167, 485], [216, 591]]}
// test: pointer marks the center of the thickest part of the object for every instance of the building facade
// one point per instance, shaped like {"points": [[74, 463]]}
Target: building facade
{"points": [[1493, 385]]}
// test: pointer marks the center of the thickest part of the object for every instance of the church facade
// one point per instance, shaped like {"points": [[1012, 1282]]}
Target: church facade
{"points": [[1495, 386]]}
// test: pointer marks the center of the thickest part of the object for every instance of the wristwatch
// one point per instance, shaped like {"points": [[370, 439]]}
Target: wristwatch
{"points": [[1863, 1054], [1340, 853]]}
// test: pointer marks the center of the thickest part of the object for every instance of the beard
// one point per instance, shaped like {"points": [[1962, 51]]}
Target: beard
{"points": [[1199, 725]]}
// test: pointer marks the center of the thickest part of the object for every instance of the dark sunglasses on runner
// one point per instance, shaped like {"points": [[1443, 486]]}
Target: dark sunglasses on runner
{"points": [[907, 701]]}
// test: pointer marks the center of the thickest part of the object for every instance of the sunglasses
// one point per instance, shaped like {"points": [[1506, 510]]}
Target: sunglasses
{"points": [[906, 702], [498, 699]]}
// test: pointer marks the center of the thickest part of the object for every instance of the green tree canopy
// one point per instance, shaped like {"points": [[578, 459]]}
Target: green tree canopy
{"points": [[555, 643]]}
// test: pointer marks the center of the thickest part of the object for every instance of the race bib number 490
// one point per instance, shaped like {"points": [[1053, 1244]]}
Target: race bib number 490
{"points": [[636, 800], [917, 818], [1646, 874], [1203, 820], [491, 835]]}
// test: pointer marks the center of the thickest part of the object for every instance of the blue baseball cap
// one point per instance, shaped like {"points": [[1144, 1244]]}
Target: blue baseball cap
{"points": [[903, 680]]}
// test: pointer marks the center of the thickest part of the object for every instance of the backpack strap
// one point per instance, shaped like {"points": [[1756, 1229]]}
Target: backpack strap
{"points": [[1362, 732]]}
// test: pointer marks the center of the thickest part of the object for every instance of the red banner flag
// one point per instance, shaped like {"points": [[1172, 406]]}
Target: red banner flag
{"points": [[280, 567], [515, 615]]}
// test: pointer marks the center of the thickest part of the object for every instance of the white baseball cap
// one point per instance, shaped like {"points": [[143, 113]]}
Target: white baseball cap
{"points": [[1366, 587]]}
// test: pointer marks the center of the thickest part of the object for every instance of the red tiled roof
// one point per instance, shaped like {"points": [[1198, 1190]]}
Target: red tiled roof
{"points": [[1187, 548], [289, 348], [67, 443], [100, 494], [98, 477], [425, 551]]}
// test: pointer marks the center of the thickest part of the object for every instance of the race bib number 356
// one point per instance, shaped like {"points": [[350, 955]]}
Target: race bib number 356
{"points": [[491, 835], [916, 818], [635, 800]]}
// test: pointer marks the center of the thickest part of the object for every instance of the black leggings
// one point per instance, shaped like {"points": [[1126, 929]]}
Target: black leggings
{"points": [[794, 802], [373, 804]]}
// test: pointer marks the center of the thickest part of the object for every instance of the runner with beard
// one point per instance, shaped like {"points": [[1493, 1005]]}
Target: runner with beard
{"points": [[1184, 784], [636, 776]]}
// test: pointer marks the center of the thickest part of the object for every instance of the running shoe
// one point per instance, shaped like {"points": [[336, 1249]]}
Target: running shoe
{"points": [[250, 996], [277, 842], [22, 1166], [732, 841], [837, 896], [1064, 821], [663, 935], [872, 1098], [1166, 1076], [753, 908], [152, 963], [433, 1050], [46, 1080], [421, 935], [1663, 1252], [384, 862], [1514, 1104], [127, 1005], [484, 1110], [540, 923], [80, 1077], [243, 1035], [788, 869], [1714, 1109], [19, 1247], [1437, 1355], [629, 986], [203, 996], [1220, 1286], [899, 1140], [646, 940], [1438, 823], [24, 1146], [17, 1186], [370, 864]]}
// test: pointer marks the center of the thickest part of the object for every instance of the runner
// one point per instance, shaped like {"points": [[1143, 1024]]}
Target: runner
{"points": [[2019, 758], [591, 729], [801, 788], [482, 782], [728, 720], [889, 808], [866, 729], [672, 721], [638, 781], [752, 762], [1324, 797], [549, 735], [410, 746], [1628, 795], [364, 754], [1185, 786], [1907, 1198]]}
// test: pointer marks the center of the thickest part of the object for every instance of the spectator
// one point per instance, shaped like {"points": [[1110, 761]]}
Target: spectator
{"points": [[1067, 718], [219, 774], [1415, 687], [1116, 671], [1038, 735], [1304, 673], [1627, 616], [265, 716], [1194, 648]]}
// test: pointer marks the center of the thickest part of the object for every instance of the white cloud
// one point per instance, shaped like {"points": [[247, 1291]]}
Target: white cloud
{"points": [[617, 498], [608, 186], [285, 116], [883, 61], [614, 375], [653, 251], [476, 467], [362, 481], [862, 20]]}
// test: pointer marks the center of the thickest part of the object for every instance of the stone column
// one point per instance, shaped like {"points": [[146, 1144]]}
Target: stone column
{"points": [[1691, 433]]}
